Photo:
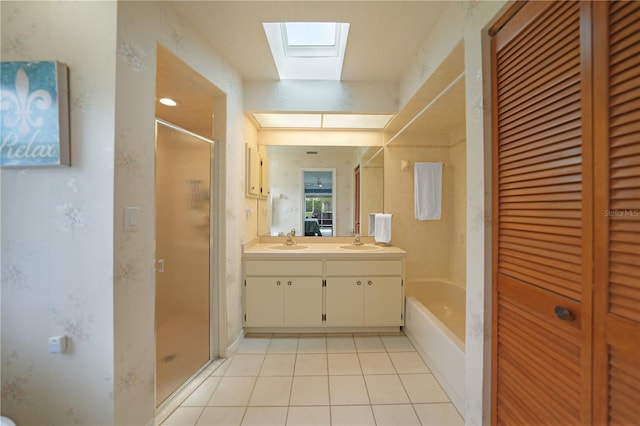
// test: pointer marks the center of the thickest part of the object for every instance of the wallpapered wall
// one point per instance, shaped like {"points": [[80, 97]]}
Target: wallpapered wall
{"points": [[67, 267], [140, 26], [57, 228]]}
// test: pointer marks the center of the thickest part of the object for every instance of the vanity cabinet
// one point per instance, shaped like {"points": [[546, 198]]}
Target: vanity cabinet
{"points": [[283, 293], [355, 299], [327, 292]]}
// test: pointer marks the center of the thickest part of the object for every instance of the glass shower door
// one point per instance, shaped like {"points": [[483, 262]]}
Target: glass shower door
{"points": [[183, 182]]}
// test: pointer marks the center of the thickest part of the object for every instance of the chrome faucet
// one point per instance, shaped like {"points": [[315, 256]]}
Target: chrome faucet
{"points": [[356, 240], [290, 236]]}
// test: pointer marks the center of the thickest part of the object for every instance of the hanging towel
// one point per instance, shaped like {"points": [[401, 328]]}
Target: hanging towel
{"points": [[382, 228], [428, 190]]}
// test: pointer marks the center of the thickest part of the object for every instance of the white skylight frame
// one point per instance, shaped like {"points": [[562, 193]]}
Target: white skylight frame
{"points": [[322, 121], [307, 62]]}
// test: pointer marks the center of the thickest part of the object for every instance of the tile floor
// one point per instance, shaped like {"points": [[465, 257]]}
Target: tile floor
{"points": [[359, 379]]}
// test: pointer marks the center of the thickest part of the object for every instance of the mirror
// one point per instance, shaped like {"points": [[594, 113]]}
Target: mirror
{"points": [[358, 187]]}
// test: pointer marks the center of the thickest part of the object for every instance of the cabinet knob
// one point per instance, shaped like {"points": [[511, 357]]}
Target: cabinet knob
{"points": [[370, 282], [358, 283], [288, 282], [563, 313], [277, 282]]}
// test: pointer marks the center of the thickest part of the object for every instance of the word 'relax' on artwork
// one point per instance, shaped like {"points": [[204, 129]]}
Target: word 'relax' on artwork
{"points": [[34, 124]]}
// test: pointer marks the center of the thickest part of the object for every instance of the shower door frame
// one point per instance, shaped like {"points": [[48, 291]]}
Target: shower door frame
{"points": [[216, 308]]}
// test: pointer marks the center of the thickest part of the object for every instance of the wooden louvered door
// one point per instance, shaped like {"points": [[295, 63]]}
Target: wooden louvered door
{"points": [[617, 213], [542, 216]]}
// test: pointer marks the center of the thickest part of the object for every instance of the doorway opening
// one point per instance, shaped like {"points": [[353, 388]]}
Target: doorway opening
{"points": [[318, 202]]}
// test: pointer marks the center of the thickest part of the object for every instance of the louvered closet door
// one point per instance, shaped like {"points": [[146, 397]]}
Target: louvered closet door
{"points": [[542, 217], [617, 213]]}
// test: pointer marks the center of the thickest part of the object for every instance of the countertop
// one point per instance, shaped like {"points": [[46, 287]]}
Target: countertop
{"points": [[333, 250]]}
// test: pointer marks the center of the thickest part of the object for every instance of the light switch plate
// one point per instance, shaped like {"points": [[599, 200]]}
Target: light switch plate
{"points": [[131, 219]]}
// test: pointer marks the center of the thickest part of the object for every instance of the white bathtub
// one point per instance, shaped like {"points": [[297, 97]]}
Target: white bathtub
{"points": [[435, 324]]}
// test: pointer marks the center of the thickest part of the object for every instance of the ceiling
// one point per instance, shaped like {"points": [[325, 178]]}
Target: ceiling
{"points": [[384, 38]]}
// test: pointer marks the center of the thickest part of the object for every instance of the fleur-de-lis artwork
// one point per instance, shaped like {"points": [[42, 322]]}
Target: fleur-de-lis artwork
{"points": [[34, 120]]}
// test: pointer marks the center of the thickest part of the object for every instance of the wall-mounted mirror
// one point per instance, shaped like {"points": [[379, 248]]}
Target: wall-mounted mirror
{"points": [[357, 188]]}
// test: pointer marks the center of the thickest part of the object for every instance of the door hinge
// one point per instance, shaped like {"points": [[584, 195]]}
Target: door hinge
{"points": [[324, 317], [245, 283], [402, 282], [324, 283], [401, 317], [245, 317]]}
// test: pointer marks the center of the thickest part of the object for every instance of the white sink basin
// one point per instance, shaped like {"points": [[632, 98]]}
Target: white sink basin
{"points": [[287, 248], [364, 247]]}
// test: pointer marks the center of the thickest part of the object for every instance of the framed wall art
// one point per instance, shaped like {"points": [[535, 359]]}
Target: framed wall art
{"points": [[34, 106]]}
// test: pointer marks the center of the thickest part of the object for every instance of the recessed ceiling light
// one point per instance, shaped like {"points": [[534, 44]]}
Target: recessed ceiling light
{"points": [[294, 121], [355, 121], [323, 121], [168, 102]]}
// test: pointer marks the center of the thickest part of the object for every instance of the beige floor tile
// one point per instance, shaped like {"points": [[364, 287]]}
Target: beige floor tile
{"points": [[221, 416], [397, 343], [340, 344], [270, 391], [183, 416], [312, 345], [423, 388], [283, 345], [310, 390], [369, 344], [352, 415], [376, 363], [386, 389], [408, 362], [232, 391], [202, 394], [219, 372], [344, 364], [395, 415], [278, 365], [311, 365], [254, 345], [309, 416], [438, 415], [245, 365], [265, 416], [348, 390]]}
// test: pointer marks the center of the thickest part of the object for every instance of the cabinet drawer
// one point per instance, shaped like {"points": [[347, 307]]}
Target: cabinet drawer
{"points": [[364, 267], [284, 267]]}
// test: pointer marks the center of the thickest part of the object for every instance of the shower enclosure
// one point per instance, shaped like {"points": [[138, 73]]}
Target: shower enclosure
{"points": [[183, 208]]}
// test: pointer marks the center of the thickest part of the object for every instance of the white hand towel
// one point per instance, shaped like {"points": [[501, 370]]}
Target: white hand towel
{"points": [[428, 190], [383, 228]]}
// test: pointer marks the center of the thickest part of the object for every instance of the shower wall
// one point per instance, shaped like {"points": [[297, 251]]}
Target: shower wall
{"points": [[435, 248]]}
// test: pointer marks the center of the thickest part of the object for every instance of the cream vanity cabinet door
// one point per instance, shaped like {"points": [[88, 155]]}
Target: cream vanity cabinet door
{"points": [[383, 301], [264, 302], [302, 301], [283, 293], [345, 305], [356, 299]]}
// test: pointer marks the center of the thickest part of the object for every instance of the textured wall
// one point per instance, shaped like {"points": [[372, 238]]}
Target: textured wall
{"points": [[57, 228], [141, 25]]}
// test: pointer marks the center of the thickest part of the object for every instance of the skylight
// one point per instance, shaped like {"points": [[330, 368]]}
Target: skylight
{"points": [[307, 50], [310, 33]]}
